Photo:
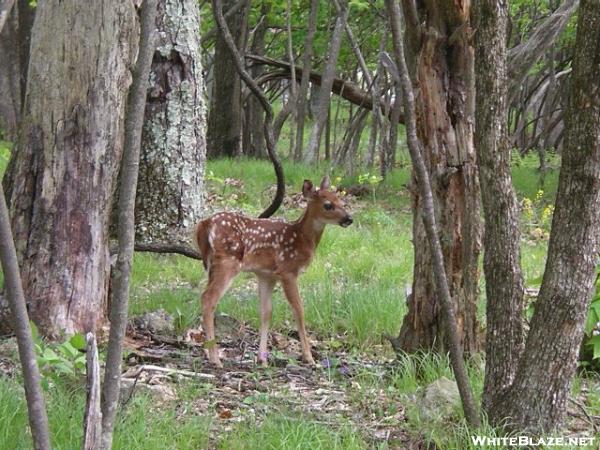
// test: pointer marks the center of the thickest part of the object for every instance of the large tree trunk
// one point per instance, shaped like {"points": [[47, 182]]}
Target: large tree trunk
{"points": [[537, 398], [444, 73], [225, 117], [66, 161], [170, 184], [502, 265], [14, 51]]}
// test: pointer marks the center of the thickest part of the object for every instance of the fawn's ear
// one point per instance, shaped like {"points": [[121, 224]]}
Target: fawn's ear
{"points": [[307, 188], [325, 183]]}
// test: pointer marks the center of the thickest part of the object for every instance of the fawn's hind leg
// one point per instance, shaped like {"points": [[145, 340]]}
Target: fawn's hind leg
{"points": [[221, 274], [290, 287], [265, 292]]}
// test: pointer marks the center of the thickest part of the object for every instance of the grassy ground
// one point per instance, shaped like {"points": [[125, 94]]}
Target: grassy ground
{"points": [[353, 292]]}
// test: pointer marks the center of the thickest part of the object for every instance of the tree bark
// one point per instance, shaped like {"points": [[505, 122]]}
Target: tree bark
{"points": [[443, 71], [304, 79], [136, 101], [66, 160], [312, 149], [224, 130], [536, 400], [429, 220], [502, 264], [15, 39], [171, 177]]}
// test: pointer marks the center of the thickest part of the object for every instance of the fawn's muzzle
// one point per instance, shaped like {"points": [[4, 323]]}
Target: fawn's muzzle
{"points": [[346, 221]]}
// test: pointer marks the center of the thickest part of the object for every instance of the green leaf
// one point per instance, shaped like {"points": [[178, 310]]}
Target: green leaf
{"points": [[592, 319], [35, 334], [50, 355], [78, 341], [595, 343]]}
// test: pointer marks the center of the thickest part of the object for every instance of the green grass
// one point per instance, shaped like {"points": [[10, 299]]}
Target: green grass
{"points": [[291, 433], [142, 424]]}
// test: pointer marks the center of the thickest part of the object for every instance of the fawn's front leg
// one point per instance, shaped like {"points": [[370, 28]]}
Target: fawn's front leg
{"points": [[222, 273], [290, 287], [265, 292]]}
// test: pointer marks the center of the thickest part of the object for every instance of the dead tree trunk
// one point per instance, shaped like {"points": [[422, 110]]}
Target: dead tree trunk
{"points": [[537, 399], [66, 161], [443, 70], [223, 136], [171, 179], [429, 220]]}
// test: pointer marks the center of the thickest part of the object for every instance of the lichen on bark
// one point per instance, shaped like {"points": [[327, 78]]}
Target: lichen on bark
{"points": [[170, 186]]}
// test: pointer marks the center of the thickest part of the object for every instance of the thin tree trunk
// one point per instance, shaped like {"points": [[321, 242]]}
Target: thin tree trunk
{"points": [[324, 98], [66, 161], [304, 79], [293, 86], [537, 399], [134, 120], [429, 219], [171, 177], [36, 407], [502, 265], [254, 140]]}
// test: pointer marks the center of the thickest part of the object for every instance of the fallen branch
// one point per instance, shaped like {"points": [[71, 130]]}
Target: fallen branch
{"points": [[152, 368], [348, 90], [92, 422]]}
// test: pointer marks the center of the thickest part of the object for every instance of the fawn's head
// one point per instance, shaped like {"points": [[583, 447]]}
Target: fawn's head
{"points": [[324, 204]]}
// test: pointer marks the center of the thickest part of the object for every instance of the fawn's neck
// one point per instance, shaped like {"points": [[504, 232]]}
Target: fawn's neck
{"points": [[310, 227]]}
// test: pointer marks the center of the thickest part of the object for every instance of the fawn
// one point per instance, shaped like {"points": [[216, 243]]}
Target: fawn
{"points": [[275, 250]]}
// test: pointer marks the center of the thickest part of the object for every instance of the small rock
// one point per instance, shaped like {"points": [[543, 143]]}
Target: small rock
{"points": [[160, 392], [440, 400], [156, 322]]}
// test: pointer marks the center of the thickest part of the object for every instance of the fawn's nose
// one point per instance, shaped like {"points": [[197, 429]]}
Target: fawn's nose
{"points": [[346, 221]]}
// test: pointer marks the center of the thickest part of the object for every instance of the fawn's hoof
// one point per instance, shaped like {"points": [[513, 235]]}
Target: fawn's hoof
{"points": [[308, 360], [263, 359]]}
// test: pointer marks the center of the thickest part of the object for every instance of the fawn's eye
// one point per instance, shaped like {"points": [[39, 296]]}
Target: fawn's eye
{"points": [[328, 206]]}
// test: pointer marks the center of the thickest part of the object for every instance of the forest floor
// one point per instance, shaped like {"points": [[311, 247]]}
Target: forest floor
{"points": [[360, 395]]}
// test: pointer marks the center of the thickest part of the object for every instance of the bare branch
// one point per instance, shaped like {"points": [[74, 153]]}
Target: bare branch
{"points": [[5, 7], [524, 56], [210, 34]]}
